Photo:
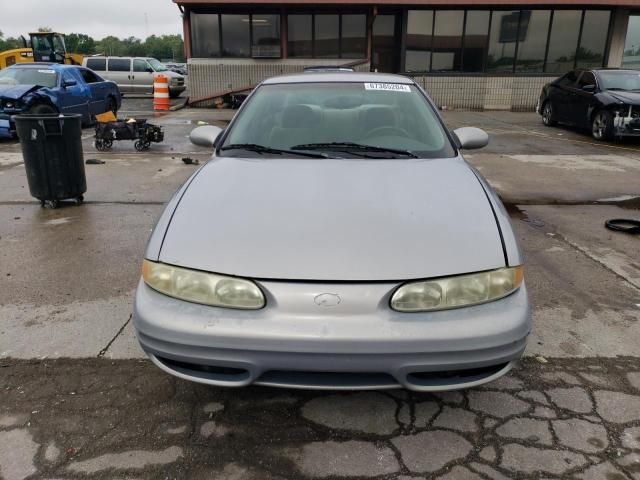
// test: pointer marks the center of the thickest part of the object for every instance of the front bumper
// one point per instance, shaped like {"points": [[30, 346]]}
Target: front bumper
{"points": [[627, 123], [294, 343], [176, 89], [7, 127]]}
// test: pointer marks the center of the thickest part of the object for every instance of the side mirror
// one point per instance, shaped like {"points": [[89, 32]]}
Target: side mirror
{"points": [[69, 83], [589, 88], [205, 136], [471, 137], [149, 70]]}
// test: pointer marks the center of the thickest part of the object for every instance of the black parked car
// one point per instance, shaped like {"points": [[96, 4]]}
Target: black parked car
{"points": [[606, 101]]}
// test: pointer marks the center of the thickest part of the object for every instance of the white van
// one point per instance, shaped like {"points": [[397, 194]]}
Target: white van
{"points": [[135, 74]]}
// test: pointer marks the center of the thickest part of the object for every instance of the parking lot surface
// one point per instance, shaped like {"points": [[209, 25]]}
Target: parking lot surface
{"points": [[81, 401]]}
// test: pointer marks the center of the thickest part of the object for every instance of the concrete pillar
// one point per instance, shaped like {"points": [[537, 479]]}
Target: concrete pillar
{"points": [[618, 37]]}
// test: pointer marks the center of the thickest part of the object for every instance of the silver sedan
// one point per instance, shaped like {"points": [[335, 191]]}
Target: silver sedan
{"points": [[337, 239]]}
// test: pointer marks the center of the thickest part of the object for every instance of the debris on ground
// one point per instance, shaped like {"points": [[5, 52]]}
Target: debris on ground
{"points": [[94, 161], [190, 161]]}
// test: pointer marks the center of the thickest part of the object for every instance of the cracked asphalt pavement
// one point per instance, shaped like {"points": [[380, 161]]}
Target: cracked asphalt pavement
{"points": [[80, 400], [94, 418]]}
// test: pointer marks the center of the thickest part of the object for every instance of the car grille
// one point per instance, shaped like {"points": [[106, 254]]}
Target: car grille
{"points": [[453, 377], [333, 380]]}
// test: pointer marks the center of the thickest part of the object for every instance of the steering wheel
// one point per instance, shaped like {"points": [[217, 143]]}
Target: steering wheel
{"points": [[380, 131]]}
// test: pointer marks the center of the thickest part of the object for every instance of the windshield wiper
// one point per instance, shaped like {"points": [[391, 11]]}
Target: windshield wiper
{"points": [[254, 147], [353, 148]]}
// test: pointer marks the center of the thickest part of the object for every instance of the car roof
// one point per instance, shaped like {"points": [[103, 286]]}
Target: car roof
{"points": [[328, 77], [124, 57], [605, 69], [49, 65]]}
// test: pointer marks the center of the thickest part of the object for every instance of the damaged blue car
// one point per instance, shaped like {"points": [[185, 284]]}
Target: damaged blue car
{"points": [[47, 88]]}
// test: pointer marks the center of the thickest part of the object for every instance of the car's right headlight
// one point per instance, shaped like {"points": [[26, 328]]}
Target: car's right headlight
{"points": [[458, 291], [202, 287]]}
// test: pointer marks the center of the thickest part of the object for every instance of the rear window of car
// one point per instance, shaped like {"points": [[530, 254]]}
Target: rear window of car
{"points": [[387, 115], [44, 77], [568, 80], [89, 76], [119, 64], [98, 64]]}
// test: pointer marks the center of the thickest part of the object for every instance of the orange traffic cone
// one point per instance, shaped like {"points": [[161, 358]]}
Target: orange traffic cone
{"points": [[161, 93]]}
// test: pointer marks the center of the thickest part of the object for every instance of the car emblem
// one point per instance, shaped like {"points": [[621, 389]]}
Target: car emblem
{"points": [[327, 299]]}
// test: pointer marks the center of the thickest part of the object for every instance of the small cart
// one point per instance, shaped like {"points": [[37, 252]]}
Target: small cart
{"points": [[139, 130]]}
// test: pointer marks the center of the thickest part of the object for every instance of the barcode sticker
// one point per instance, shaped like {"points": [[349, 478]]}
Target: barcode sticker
{"points": [[388, 87]]}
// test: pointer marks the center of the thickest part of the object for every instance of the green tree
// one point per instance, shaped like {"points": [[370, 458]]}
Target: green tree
{"points": [[165, 47], [9, 43], [134, 47], [80, 43], [110, 46]]}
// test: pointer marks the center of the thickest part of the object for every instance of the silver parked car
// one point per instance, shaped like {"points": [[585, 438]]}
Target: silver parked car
{"points": [[336, 239], [135, 74]]}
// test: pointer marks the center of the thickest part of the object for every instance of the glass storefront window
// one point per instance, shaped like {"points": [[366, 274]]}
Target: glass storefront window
{"points": [[563, 42], [447, 41], [593, 41], [476, 36], [533, 33], [300, 35], [327, 36], [419, 30], [235, 36], [631, 57], [205, 35], [354, 36], [499, 41], [265, 35], [502, 41], [384, 50]]}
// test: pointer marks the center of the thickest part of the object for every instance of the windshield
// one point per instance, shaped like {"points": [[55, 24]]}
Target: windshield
{"points": [[42, 43], [29, 76], [610, 80], [156, 65], [381, 120]]}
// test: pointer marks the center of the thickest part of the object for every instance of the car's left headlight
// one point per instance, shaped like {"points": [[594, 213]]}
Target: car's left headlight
{"points": [[10, 104], [202, 287], [458, 291]]}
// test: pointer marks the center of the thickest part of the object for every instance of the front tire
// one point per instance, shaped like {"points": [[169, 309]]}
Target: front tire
{"points": [[548, 113], [602, 126]]}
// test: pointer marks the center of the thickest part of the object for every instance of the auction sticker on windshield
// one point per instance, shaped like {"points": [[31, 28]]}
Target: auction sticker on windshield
{"points": [[47, 71], [389, 87]]}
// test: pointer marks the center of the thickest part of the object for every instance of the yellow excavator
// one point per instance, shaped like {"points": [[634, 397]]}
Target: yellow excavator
{"points": [[45, 47]]}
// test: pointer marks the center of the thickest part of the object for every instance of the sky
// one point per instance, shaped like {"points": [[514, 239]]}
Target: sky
{"points": [[122, 18]]}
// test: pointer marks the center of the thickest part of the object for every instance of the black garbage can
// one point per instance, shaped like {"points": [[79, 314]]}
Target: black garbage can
{"points": [[53, 158]]}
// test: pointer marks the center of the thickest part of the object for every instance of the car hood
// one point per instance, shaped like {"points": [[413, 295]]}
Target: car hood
{"points": [[335, 219], [630, 98], [14, 92]]}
